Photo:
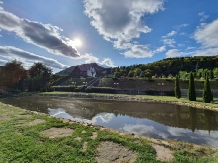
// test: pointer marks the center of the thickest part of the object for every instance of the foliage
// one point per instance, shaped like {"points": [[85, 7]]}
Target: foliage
{"points": [[13, 75], [64, 88], [173, 66], [191, 90], [100, 90], [207, 94], [39, 76], [177, 88]]}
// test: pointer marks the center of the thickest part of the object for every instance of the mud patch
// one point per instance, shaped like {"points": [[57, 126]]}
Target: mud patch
{"points": [[163, 154], [85, 144], [112, 152], [94, 135], [57, 132], [4, 117], [35, 122], [78, 138]]}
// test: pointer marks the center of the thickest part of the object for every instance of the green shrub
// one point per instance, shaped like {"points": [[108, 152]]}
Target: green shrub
{"points": [[64, 88], [77, 89], [100, 90]]}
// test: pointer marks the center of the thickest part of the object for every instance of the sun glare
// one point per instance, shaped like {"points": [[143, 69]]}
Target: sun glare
{"points": [[77, 42]]}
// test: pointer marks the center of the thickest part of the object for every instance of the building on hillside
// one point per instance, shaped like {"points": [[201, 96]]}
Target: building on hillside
{"points": [[83, 71]]}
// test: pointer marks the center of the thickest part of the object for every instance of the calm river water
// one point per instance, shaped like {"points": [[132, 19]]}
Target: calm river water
{"points": [[156, 120]]}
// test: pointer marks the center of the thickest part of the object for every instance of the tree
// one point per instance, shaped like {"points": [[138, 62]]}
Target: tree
{"points": [[177, 88], [211, 75], [191, 89], [207, 94], [39, 75], [13, 74]]}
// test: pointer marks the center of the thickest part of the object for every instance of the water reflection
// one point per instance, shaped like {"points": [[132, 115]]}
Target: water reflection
{"points": [[150, 119]]}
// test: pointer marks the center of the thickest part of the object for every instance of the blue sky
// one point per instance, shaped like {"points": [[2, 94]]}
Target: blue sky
{"points": [[111, 32]]}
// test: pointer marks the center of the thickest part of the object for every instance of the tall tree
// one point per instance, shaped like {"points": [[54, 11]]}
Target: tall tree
{"points": [[12, 75], [211, 75], [191, 89], [177, 88], [39, 75], [207, 94]]}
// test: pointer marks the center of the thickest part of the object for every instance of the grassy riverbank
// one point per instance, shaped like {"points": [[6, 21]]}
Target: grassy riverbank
{"points": [[30, 137]]}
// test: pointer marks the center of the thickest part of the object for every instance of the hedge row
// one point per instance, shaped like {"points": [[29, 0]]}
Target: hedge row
{"points": [[100, 90]]}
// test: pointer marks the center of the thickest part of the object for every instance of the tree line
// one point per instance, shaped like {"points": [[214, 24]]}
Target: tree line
{"points": [[170, 67], [14, 77]]}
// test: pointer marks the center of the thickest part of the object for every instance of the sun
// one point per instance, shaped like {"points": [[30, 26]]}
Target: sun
{"points": [[77, 42]]}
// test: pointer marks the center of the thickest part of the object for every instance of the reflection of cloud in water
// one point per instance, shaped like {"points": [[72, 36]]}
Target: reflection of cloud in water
{"points": [[101, 118], [144, 130], [200, 136], [59, 113]]}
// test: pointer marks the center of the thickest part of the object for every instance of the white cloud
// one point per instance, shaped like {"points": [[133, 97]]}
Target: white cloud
{"points": [[1, 2], [138, 51], [172, 33], [42, 35], [3, 62], [160, 49], [107, 62], [172, 53], [27, 58], [203, 16], [181, 26], [169, 42], [89, 58], [206, 34], [120, 21], [206, 52]]}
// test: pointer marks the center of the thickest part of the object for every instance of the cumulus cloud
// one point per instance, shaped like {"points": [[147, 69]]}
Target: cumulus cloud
{"points": [[160, 49], [172, 33], [207, 34], [10, 53], [120, 21], [172, 53], [203, 16], [42, 35], [3, 62], [169, 42], [89, 58], [207, 52]]}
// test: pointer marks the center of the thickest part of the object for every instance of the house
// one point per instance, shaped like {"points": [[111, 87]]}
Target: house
{"points": [[84, 70]]}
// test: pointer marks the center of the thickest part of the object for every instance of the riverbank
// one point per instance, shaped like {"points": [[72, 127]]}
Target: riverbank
{"points": [[32, 137], [141, 98]]}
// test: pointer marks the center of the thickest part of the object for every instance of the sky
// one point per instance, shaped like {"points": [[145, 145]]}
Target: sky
{"points": [[65, 33]]}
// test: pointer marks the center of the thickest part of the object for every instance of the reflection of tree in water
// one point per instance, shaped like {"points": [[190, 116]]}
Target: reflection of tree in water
{"points": [[178, 113], [193, 117], [210, 119]]}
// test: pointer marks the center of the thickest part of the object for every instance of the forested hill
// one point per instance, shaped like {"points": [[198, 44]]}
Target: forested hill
{"points": [[171, 66]]}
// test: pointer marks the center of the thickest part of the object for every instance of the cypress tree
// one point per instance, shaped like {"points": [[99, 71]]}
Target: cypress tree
{"points": [[207, 94], [177, 88], [191, 89], [211, 75]]}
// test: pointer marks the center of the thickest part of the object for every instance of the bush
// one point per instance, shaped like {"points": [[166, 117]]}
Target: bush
{"points": [[100, 90], [77, 89], [48, 90], [64, 88]]}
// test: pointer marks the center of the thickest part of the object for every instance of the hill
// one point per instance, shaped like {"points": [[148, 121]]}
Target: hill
{"points": [[169, 66]]}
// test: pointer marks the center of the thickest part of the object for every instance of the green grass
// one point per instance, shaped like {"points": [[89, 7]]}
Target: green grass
{"points": [[20, 143]]}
